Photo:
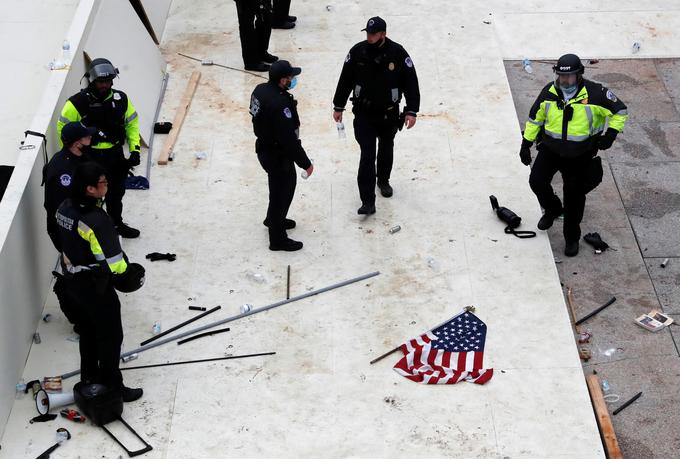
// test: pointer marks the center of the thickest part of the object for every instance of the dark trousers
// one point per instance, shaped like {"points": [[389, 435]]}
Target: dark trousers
{"points": [[281, 11], [282, 180], [580, 175], [255, 29], [113, 160], [368, 129], [99, 324]]}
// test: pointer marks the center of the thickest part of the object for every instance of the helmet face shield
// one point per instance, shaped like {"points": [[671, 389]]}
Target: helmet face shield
{"points": [[102, 71]]}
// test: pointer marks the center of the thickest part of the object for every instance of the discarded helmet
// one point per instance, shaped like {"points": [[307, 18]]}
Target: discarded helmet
{"points": [[131, 280], [568, 64], [101, 69]]}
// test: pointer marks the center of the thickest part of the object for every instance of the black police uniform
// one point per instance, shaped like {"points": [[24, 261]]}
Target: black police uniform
{"points": [[81, 228], [108, 116], [378, 77], [578, 163], [57, 178], [277, 126], [281, 12], [255, 29]]}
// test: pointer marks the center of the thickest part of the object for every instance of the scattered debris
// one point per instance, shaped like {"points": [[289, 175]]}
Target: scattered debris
{"points": [[395, 229], [626, 404], [288, 283], [597, 311], [43, 418], [654, 320], [432, 263], [526, 64], [255, 277], [62, 436], [72, 415], [200, 155], [585, 354], [636, 47], [162, 127], [609, 352], [594, 61], [596, 241], [664, 263], [247, 307], [156, 256], [47, 317], [198, 361], [52, 384], [176, 327], [36, 338], [584, 337], [487, 22], [156, 328], [197, 308], [209, 333]]}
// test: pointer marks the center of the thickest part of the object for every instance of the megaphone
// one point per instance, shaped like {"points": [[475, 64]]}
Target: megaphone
{"points": [[44, 402], [509, 218]]}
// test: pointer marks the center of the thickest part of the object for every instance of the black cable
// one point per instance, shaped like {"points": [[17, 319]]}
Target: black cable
{"points": [[520, 234]]}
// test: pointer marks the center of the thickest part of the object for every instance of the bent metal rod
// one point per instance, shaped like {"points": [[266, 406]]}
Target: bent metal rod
{"points": [[238, 316]]}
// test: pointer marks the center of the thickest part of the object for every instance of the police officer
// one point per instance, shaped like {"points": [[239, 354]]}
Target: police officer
{"points": [[115, 118], [255, 29], [58, 181], [58, 173], [281, 15], [277, 126], [96, 264], [378, 71], [568, 120]]}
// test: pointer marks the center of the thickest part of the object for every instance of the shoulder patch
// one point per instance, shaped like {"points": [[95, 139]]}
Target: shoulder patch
{"points": [[611, 96], [349, 56], [116, 96], [408, 62], [287, 112], [65, 180]]}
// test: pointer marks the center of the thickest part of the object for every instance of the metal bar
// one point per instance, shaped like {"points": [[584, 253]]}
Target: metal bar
{"points": [[288, 284], [208, 333], [197, 361], [222, 65], [625, 405], [597, 311], [186, 322], [239, 316]]}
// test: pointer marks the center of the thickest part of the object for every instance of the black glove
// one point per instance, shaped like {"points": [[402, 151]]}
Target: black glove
{"points": [[605, 141], [525, 152], [134, 159]]}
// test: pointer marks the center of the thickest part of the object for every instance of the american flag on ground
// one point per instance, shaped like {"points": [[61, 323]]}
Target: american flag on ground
{"points": [[450, 353]]}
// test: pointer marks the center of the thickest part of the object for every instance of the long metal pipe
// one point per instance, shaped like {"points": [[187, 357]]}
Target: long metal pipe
{"points": [[239, 316]]}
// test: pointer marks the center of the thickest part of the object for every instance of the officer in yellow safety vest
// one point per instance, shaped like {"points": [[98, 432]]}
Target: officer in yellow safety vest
{"points": [[111, 112], [567, 122]]}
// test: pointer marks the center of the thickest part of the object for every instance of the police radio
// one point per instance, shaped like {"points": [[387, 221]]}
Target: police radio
{"points": [[509, 218]]}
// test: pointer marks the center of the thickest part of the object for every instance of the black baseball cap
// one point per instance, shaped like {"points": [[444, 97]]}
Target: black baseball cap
{"points": [[375, 24], [280, 69], [76, 131]]}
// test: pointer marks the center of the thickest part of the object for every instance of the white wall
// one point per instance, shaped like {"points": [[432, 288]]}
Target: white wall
{"points": [[103, 29]]}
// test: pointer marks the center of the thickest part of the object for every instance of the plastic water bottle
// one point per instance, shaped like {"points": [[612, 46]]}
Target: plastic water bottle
{"points": [[304, 173], [636, 47], [526, 63], [156, 328], [341, 130], [65, 52]]}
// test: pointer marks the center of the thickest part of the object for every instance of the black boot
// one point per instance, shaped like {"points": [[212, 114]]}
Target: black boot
{"points": [[546, 221], [366, 209], [385, 189], [288, 245], [269, 58], [571, 248], [290, 224], [130, 394], [258, 67], [283, 25], [126, 231]]}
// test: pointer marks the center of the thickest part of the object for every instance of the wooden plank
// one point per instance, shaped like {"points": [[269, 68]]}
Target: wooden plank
{"points": [[604, 421], [182, 110]]}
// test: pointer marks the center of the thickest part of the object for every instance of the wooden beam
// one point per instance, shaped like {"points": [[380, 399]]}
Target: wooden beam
{"points": [[604, 421], [182, 110]]}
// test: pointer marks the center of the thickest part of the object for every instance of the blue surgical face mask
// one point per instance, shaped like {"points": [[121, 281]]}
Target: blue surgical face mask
{"points": [[293, 83]]}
